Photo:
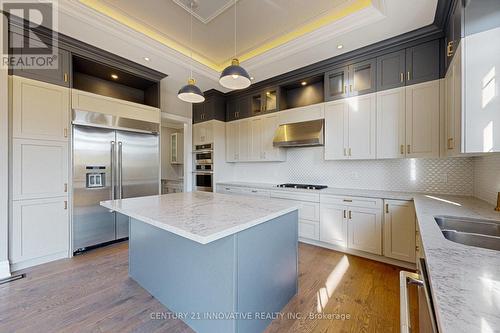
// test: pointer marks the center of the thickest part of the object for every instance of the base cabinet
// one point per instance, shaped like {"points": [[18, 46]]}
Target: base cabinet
{"points": [[364, 230], [333, 224], [399, 230], [39, 229]]}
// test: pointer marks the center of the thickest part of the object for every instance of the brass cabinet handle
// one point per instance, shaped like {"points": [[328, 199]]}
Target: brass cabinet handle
{"points": [[450, 143], [65, 187], [347, 200], [350, 215], [349, 151], [408, 76], [345, 213], [402, 149], [402, 77], [65, 204], [65, 132], [408, 149], [449, 49], [65, 77], [387, 208], [345, 151]]}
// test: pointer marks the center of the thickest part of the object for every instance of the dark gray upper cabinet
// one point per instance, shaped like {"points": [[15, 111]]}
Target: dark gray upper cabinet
{"points": [[238, 108], [59, 75], [214, 107], [336, 83], [353, 80], [264, 101], [391, 70], [422, 62], [362, 78]]}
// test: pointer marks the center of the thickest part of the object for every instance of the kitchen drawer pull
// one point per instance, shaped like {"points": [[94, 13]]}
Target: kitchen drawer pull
{"points": [[405, 279], [254, 191], [347, 200]]}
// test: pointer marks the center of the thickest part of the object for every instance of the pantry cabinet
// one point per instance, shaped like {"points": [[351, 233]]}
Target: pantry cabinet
{"points": [[399, 230], [350, 128], [39, 110]]}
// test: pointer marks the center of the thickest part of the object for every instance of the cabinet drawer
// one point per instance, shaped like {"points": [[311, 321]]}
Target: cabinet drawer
{"points": [[256, 192], [39, 228], [352, 201], [309, 229], [229, 189], [313, 197]]}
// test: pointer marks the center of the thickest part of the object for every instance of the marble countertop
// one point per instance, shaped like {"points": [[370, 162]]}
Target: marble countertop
{"points": [[465, 280], [201, 216]]}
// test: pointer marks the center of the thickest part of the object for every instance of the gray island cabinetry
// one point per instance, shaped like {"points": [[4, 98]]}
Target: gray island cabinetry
{"points": [[222, 263]]}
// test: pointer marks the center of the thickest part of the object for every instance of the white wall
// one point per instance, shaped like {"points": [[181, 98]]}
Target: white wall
{"points": [[4, 154], [306, 165], [170, 102], [487, 177]]}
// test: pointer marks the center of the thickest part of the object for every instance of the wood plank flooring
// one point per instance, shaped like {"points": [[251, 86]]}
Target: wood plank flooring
{"points": [[92, 293]]}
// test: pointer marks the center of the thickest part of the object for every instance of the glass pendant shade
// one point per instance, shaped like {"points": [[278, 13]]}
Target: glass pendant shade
{"points": [[191, 93], [234, 76]]}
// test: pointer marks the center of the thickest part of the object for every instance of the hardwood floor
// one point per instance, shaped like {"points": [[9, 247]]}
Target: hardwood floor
{"points": [[92, 293]]}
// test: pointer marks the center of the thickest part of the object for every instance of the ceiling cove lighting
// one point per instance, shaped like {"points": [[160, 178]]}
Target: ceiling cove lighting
{"points": [[234, 76], [191, 93]]}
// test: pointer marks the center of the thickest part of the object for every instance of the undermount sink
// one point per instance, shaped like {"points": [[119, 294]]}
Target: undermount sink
{"points": [[469, 231]]}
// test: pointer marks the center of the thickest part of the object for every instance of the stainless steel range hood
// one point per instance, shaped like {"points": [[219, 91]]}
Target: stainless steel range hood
{"points": [[303, 134]]}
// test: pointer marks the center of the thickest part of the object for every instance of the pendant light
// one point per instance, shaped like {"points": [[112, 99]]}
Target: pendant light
{"points": [[234, 76], [190, 92]]}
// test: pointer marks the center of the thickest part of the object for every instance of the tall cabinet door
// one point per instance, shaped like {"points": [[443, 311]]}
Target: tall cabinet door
{"points": [[39, 110], [333, 225], [269, 125], [365, 229], [362, 126], [256, 139], [391, 123], [232, 141], [244, 140], [336, 136], [399, 230], [422, 120]]}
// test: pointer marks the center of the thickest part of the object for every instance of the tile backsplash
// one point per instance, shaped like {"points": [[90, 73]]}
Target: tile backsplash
{"points": [[306, 165], [487, 177]]}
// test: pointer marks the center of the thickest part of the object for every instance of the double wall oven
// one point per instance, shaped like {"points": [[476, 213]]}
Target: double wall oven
{"points": [[203, 167]]}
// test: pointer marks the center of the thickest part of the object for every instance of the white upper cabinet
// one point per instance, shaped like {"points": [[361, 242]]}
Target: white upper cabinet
{"points": [[391, 123], [453, 104], [256, 139], [270, 124], [350, 128], [362, 126], [232, 141], [482, 88], [244, 140], [39, 110], [203, 133], [422, 119]]}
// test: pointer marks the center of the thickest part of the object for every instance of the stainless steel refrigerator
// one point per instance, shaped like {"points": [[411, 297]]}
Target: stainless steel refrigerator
{"points": [[109, 164]]}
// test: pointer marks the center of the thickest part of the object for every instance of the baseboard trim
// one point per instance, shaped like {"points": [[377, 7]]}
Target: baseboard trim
{"points": [[4, 269], [390, 261], [37, 261]]}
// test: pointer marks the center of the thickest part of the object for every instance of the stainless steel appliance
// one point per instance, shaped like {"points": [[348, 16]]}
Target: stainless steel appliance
{"points": [[203, 167], [302, 186], [426, 315], [302, 134], [109, 163]]}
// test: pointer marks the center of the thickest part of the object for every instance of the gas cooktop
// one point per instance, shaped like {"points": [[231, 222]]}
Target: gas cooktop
{"points": [[303, 186]]}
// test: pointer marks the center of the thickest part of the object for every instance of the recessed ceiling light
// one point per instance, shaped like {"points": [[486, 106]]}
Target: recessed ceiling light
{"points": [[303, 83], [340, 46], [252, 78], [114, 76], [147, 59]]}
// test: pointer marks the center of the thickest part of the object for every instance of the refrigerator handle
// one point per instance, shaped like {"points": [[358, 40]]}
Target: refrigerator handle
{"points": [[112, 170], [120, 189]]}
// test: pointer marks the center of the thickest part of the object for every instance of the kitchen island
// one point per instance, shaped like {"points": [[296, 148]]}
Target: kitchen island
{"points": [[221, 263]]}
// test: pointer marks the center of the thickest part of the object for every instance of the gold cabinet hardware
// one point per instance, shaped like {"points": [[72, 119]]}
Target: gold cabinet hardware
{"points": [[65, 132], [350, 215], [408, 76], [402, 149], [497, 208], [345, 214], [417, 248], [387, 208], [345, 151], [408, 149], [65, 77], [449, 49], [347, 200], [65, 204], [65, 187], [450, 143], [350, 151], [402, 77]]}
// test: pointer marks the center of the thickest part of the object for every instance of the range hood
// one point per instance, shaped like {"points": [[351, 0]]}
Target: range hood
{"points": [[303, 134]]}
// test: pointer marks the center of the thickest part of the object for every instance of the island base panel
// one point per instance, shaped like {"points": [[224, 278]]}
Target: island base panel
{"points": [[215, 287]]}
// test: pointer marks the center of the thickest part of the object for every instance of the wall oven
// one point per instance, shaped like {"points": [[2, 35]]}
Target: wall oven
{"points": [[203, 167], [203, 181], [203, 154]]}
